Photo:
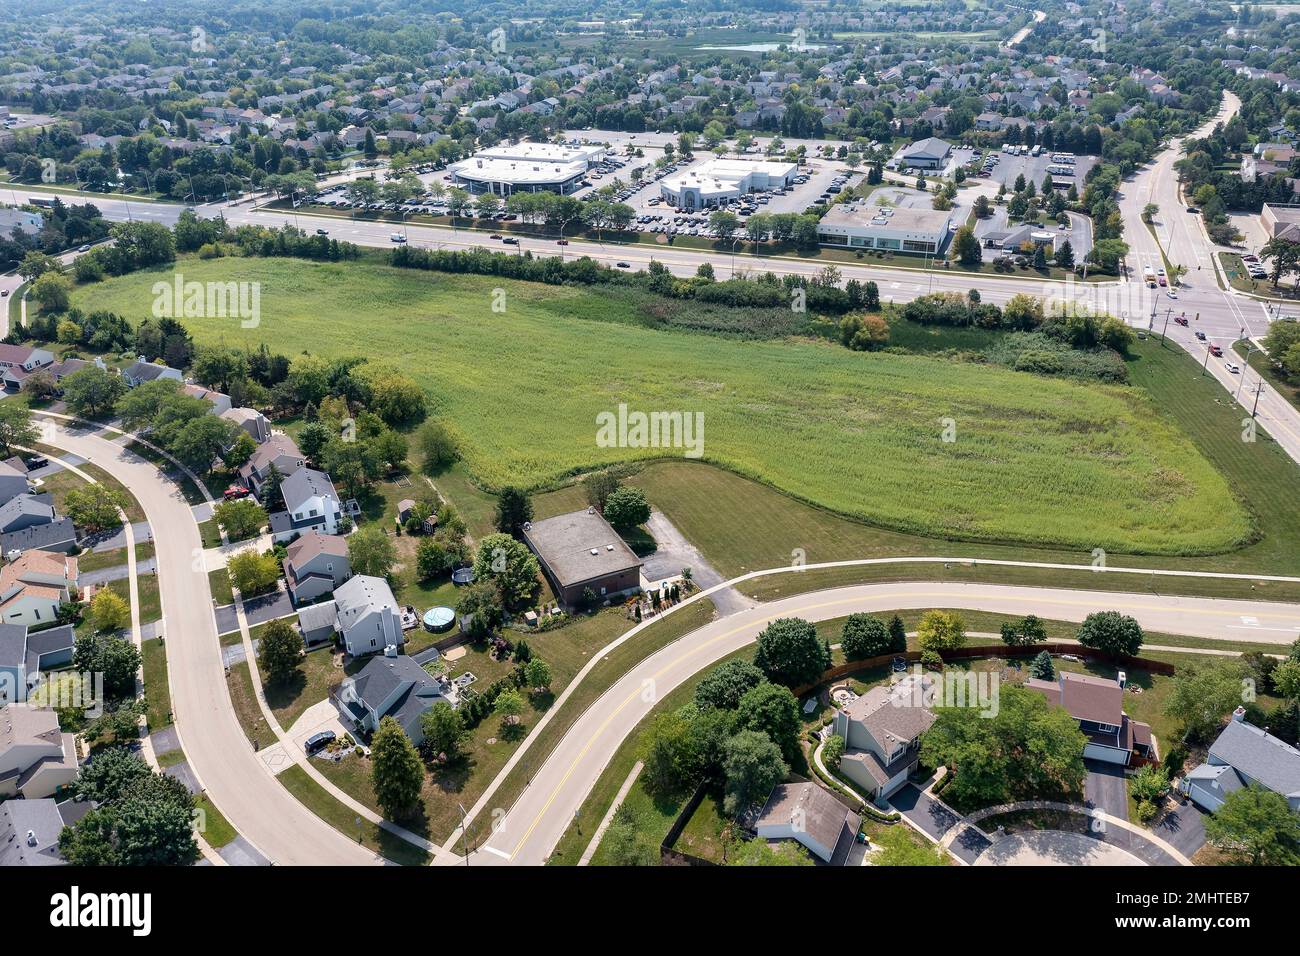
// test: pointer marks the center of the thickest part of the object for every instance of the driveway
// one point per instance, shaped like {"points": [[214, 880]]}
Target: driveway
{"points": [[1183, 828], [268, 607], [936, 819], [673, 552], [1106, 788], [1055, 848]]}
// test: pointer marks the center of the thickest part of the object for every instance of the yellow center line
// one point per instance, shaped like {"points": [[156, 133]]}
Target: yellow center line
{"points": [[1061, 602]]}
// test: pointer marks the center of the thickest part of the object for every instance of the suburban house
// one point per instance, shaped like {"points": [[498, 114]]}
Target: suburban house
{"points": [[251, 421], [36, 757], [29, 829], [364, 613], [579, 551], [219, 401], [140, 372], [13, 482], [24, 654], [33, 585], [57, 535], [23, 511], [1098, 705], [392, 686], [278, 452], [314, 565], [882, 734], [19, 361], [310, 502], [1244, 754], [811, 815]]}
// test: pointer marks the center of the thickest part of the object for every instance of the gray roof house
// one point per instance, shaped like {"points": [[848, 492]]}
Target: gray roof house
{"points": [[882, 734], [140, 372], [368, 615], [29, 830], [251, 421], [811, 815], [314, 565], [278, 450], [317, 622], [12, 482], [23, 511], [310, 503], [57, 535], [1244, 754], [392, 686], [24, 655]]}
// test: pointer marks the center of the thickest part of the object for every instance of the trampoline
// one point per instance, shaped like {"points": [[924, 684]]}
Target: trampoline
{"points": [[439, 618], [462, 576]]}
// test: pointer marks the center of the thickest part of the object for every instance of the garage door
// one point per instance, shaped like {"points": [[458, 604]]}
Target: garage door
{"points": [[1106, 754]]}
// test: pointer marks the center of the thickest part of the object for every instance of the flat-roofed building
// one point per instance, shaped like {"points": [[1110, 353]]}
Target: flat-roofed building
{"points": [[580, 551], [861, 226], [723, 181], [1281, 222], [526, 167]]}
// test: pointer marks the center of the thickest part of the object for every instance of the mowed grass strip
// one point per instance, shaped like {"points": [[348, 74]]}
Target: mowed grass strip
{"points": [[1033, 460]]}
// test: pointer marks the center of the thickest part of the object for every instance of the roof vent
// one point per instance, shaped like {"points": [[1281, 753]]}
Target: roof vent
{"points": [[609, 547], [593, 551]]}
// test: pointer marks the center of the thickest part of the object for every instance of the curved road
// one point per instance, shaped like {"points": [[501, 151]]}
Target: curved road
{"points": [[528, 832], [256, 804]]}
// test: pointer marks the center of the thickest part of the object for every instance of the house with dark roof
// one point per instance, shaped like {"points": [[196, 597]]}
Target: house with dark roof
{"points": [[392, 685], [579, 551], [57, 535], [29, 829], [25, 654], [13, 481], [314, 565], [1098, 705], [251, 421], [811, 816], [882, 734], [24, 511], [1242, 755]]}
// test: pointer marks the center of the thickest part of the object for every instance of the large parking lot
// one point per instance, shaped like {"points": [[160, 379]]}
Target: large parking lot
{"points": [[1035, 168]]}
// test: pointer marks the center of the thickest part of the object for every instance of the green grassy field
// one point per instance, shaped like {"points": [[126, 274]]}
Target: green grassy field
{"points": [[1034, 460]]}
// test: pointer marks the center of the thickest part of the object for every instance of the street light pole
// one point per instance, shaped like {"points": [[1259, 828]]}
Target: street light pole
{"points": [[464, 833]]}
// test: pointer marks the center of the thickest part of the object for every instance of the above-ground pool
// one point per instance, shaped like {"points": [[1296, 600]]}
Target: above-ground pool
{"points": [[439, 618]]}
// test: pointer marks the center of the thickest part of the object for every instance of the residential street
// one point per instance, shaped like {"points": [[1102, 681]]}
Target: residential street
{"points": [[219, 754], [529, 830]]}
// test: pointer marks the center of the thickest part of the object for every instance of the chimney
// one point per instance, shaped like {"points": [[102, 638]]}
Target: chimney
{"points": [[1239, 714], [31, 838]]}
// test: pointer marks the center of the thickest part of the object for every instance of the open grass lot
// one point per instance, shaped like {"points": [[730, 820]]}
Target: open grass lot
{"points": [[319, 801], [308, 685], [1035, 460], [98, 560]]}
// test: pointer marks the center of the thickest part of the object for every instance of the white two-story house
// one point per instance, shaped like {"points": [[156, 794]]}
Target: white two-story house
{"points": [[882, 735], [310, 504]]}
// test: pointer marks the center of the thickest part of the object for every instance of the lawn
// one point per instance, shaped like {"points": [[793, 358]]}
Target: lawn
{"points": [[307, 685], [216, 829], [147, 587], [219, 583], [242, 697], [156, 689], [98, 560], [342, 818], [1035, 459]]}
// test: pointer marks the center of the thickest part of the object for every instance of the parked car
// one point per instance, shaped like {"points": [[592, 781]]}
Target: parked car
{"points": [[234, 492], [317, 742]]}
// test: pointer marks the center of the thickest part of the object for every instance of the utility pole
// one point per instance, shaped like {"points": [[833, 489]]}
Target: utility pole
{"points": [[464, 833], [1165, 327]]}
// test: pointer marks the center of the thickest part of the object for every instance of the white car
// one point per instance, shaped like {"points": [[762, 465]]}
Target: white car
{"points": [[1234, 369], [396, 237]]}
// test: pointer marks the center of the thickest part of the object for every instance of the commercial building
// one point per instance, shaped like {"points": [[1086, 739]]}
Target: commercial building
{"points": [[723, 181], [1281, 222], [928, 153], [580, 552], [526, 167], [860, 226]]}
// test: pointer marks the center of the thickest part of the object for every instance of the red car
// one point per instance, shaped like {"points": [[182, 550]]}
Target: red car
{"points": [[561, 242], [1216, 351], [235, 491], [1180, 320]]}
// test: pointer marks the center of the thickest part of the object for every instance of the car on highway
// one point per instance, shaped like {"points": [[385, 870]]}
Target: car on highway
{"points": [[4, 293], [1181, 320], [510, 241], [624, 265], [495, 235], [561, 242], [1216, 350], [85, 248], [396, 237], [1232, 367], [1172, 294], [1200, 336], [322, 232]]}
